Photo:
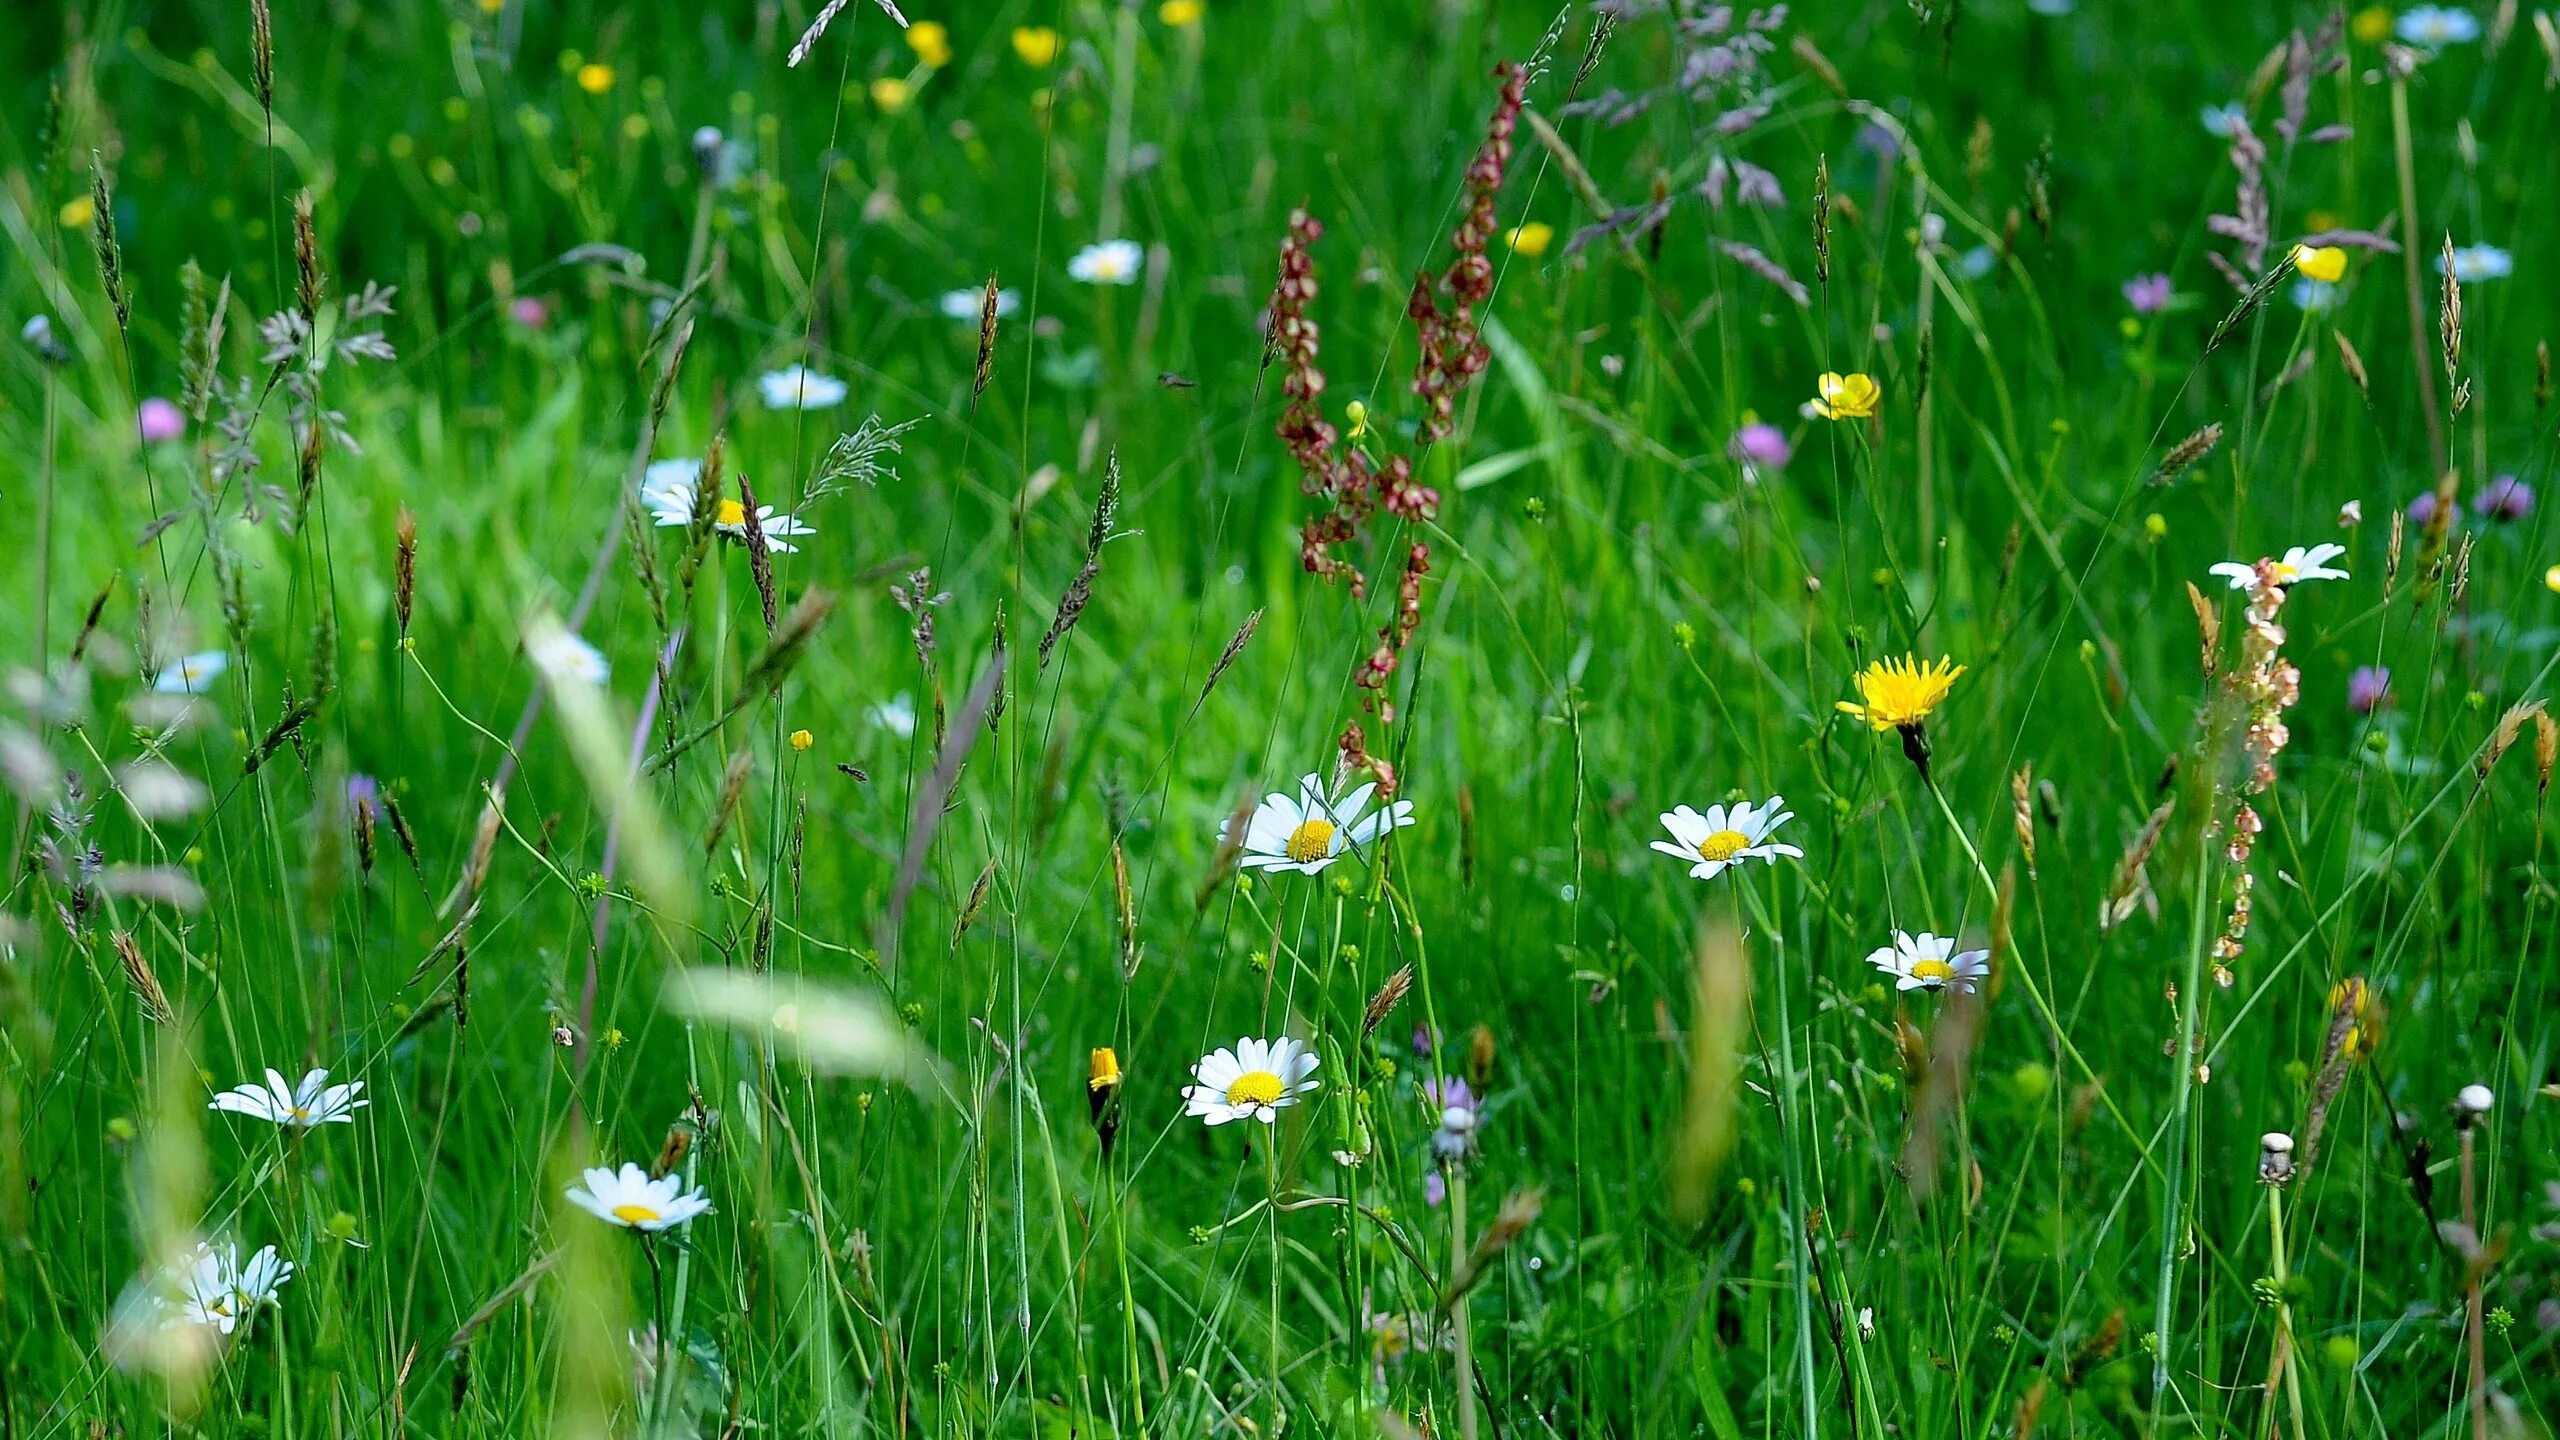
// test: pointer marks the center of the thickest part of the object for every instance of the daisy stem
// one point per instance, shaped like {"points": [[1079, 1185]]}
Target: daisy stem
{"points": [[1271, 1166]]}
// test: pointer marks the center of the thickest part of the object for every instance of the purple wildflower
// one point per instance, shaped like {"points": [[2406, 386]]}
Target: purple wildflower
{"points": [[1435, 1191], [2148, 294], [1762, 444], [2423, 509], [2505, 498], [160, 420], [2367, 688]]}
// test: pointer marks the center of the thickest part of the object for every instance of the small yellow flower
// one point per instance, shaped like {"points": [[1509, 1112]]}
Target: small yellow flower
{"points": [[1036, 44], [2324, 263], [891, 94], [1104, 1071], [1179, 13], [2155, 525], [931, 43], [1531, 239], [1853, 396], [2319, 220], [2372, 24], [802, 739], [595, 77], [1358, 415], [2551, 578], [76, 214], [1901, 693], [492, 7]]}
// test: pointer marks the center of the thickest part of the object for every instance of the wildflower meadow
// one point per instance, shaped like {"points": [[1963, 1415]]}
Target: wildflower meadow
{"points": [[1175, 718]]}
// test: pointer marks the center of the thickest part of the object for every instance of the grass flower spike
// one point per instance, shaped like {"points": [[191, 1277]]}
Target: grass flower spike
{"points": [[1309, 832], [312, 1102], [1853, 396], [1255, 1081], [2297, 565], [1722, 836], [1929, 962], [629, 1198]]}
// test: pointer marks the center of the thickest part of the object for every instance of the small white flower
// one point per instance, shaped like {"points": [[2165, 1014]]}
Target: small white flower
{"points": [[1722, 836], [2479, 262], [1307, 832], [1929, 962], [312, 1102], [797, 387], [629, 1198], [561, 656], [217, 1290], [670, 489], [2298, 564], [1256, 1080], [2436, 26], [897, 715], [2316, 297], [969, 304], [192, 674], [1113, 262], [2476, 1099], [2224, 121]]}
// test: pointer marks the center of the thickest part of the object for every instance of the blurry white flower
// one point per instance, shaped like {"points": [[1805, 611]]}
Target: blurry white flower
{"points": [[1113, 262], [670, 489], [1308, 832], [1721, 837], [2315, 296], [2298, 564], [829, 1030], [2479, 262], [1929, 962], [2436, 26], [560, 656], [967, 304], [629, 1198], [312, 1102], [192, 674], [219, 1291], [1256, 1080], [1977, 262], [897, 715], [158, 790], [797, 387], [2224, 121]]}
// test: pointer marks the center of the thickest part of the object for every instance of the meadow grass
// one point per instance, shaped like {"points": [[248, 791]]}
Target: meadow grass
{"points": [[375, 707]]}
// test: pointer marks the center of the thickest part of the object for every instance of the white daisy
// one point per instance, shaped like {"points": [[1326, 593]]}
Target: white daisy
{"points": [[2298, 564], [630, 1198], [313, 1102], [669, 490], [1308, 832], [1722, 836], [2479, 262], [1113, 262], [897, 715], [217, 1290], [969, 304], [1929, 962], [797, 387], [2436, 26], [561, 656], [1255, 1081], [192, 674]]}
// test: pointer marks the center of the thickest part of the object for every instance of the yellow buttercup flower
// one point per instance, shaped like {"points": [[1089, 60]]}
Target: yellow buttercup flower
{"points": [[1036, 44], [891, 94], [2324, 263], [931, 42], [802, 739], [1853, 396], [1531, 239], [2551, 578], [77, 213], [1901, 693], [595, 77], [1178, 13], [2372, 24]]}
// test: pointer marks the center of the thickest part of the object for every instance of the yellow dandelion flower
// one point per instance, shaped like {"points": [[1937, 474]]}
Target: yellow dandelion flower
{"points": [[2372, 24], [1901, 693], [595, 77], [1037, 45], [1531, 239], [2324, 263], [1179, 13], [891, 94], [931, 42], [1853, 396], [1104, 1071], [77, 213]]}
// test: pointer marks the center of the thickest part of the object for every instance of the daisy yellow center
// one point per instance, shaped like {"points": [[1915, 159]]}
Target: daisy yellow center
{"points": [[1723, 845], [1310, 842], [634, 1214], [300, 1113], [2286, 574], [1254, 1087], [730, 513], [1938, 970]]}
